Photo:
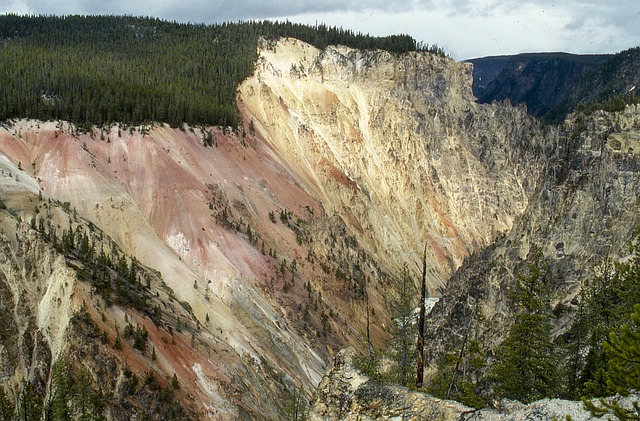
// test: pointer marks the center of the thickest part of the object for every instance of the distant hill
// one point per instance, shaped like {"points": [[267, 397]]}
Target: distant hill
{"points": [[486, 70], [554, 84]]}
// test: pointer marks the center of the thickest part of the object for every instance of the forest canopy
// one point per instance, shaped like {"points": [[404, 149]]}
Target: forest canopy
{"points": [[97, 70]]}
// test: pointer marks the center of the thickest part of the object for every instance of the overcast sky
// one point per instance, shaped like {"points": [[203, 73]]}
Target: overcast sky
{"points": [[464, 28]]}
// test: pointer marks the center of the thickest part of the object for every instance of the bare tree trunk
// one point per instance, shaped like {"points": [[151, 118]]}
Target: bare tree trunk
{"points": [[423, 296], [461, 354], [368, 332]]}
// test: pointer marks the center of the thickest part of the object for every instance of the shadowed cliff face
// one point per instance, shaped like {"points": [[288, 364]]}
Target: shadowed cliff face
{"points": [[543, 81], [267, 243], [555, 84], [583, 210]]}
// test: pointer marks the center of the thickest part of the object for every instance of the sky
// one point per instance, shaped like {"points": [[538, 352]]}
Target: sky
{"points": [[464, 28]]}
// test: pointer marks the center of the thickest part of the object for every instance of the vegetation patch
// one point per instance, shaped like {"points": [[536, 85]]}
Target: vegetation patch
{"points": [[97, 70]]}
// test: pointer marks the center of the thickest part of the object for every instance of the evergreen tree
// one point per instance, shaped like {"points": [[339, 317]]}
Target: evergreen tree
{"points": [[602, 304], [62, 394], [7, 409], [605, 302], [623, 371], [624, 356], [30, 403], [525, 368], [82, 391], [403, 335]]}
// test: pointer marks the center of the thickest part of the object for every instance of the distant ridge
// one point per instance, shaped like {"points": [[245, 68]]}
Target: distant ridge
{"points": [[553, 84]]}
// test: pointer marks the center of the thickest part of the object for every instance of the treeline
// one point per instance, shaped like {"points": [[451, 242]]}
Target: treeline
{"points": [[104, 69]]}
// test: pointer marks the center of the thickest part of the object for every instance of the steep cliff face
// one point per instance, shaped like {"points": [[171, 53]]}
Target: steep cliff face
{"points": [[36, 289], [584, 208], [347, 394], [396, 146]]}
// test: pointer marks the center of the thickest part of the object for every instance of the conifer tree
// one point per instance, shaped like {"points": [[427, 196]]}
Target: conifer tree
{"points": [[606, 300], [602, 299], [403, 336], [623, 372], [82, 391], [624, 352], [525, 369], [7, 410], [62, 394], [30, 404]]}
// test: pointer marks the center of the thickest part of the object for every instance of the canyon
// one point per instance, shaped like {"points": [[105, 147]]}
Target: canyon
{"points": [[270, 247]]}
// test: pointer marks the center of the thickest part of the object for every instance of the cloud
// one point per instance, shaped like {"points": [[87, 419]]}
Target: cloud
{"points": [[465, 28]]}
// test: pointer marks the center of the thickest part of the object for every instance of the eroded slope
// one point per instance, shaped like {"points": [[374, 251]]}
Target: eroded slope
{"points": [[396, 146]]}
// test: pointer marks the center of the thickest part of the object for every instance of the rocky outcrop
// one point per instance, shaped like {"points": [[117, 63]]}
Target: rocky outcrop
{"points": [[347, 394]]}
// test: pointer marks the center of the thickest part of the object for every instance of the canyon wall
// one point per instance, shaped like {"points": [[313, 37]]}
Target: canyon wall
{"points": [[267, 248], [583, 211], [397, 147]]}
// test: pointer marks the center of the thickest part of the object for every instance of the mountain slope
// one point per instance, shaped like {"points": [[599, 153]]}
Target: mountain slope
{"points": [[583, 211]]}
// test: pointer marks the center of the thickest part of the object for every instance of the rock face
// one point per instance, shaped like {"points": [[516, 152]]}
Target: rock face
{"points": [[347, 394], [584, 208], [396, 146], [36, 296]]}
